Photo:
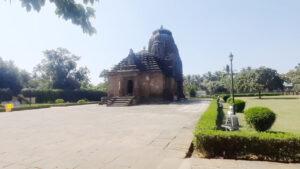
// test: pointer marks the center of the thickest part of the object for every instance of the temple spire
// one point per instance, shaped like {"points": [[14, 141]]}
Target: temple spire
{"points": [[131, 51]]}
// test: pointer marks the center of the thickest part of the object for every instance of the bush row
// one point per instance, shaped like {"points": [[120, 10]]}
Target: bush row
{"points": [[255, 94], [49, 96], [272, 146]]}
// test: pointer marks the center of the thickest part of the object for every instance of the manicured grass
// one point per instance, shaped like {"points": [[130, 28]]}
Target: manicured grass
{"points": [[287, 109], [211, 141], [46, 105]]}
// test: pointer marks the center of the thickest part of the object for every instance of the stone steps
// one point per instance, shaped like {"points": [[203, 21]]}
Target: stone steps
{"points": [[120, 101]]}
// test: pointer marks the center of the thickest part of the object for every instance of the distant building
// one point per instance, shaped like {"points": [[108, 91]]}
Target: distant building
{"points": [[150, 74]]}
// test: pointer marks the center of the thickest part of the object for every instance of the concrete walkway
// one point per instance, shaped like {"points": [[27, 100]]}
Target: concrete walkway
{"points": [[94, 137]]}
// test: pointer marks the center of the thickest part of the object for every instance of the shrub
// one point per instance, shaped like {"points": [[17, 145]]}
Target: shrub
{"points": [[260, 118], [271, 146], [229, 100], [239, 104], [193, 93], [49, 96], [281, 147], [82, 101], [59, 101], [226, 97]]}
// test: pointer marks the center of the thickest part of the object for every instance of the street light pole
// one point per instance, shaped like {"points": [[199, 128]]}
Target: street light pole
{"points": [[232, 84]]}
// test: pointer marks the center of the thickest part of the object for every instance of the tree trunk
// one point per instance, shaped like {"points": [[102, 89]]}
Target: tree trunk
{"points": [[259, 94]]}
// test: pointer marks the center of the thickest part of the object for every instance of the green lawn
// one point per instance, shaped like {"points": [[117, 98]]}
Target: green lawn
{"points": [[287, 109]]}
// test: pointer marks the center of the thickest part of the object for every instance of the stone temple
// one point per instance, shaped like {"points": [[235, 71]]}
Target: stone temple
{"points": [[148, 75]]}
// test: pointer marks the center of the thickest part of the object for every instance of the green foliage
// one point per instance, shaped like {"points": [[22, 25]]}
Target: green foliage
{"points": [[5, 95], [59, 101], [271, 146], [281, 147], [49, 96], [27, 107], [260, 118], [193, 92], [12, 77], [225, 97], [82, 101], [212, 118], [59, 70], [294, 75], [239, 104], [258, 80], [78, 13]]}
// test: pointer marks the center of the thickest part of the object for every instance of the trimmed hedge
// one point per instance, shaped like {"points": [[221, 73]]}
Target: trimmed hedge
{"points": [[82, 101], [239, 104], [271, 146], [260, 118], [59, 101], [225, 97], [49, 96]]}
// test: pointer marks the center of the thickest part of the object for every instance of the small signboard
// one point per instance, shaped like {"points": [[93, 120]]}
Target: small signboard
{"points": [[9, 107]]}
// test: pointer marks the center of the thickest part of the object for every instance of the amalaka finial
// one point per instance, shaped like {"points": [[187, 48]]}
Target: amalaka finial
{"points": [[161, 27]]}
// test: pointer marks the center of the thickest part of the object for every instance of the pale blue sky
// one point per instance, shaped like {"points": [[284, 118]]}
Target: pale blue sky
{"points": [[258, 32]]}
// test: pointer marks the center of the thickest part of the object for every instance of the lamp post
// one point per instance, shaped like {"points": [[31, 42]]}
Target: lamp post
{"points": [[232, 84]]}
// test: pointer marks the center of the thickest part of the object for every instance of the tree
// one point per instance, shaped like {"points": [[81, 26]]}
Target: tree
{"points": [[245, 81], [269, 79], [12, 77], [258, 80], [294, 75], [59, 70], [103, 86], [78, 13]]}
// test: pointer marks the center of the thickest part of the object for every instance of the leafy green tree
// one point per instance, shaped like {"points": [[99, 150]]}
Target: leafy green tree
{"points": [[294, 75], [269, 79], [258, 80], [103, 86], [59, 70], [245, 81], [78, 13], [12, 77]]}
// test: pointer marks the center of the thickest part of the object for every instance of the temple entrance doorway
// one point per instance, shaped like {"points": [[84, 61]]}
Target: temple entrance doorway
{"points": [[129, 87]]}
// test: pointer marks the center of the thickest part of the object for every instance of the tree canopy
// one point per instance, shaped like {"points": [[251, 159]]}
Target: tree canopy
{"points": [[78, 13], [58, 70], [248, 80], [12, 78], [294, 75]]}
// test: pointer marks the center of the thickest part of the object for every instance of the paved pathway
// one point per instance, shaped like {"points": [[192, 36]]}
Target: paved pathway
{"points": [[99, 137], [92, 137]]}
